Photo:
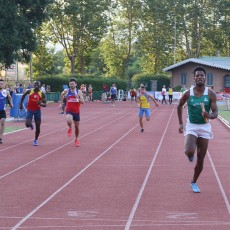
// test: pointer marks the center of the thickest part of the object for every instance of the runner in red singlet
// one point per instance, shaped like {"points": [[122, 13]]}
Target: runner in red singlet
{"points": [[73, 100], [36, 100]]}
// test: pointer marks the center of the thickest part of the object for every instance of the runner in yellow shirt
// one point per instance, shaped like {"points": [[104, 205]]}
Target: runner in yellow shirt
{"points": [[143, 103]]}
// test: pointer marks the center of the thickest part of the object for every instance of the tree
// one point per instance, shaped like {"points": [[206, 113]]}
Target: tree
{"points": [[78, 26], [18, 21], [117, 46]]}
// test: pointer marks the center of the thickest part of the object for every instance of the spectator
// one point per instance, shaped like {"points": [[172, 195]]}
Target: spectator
{"points": [[43, 88], [90, 92]]}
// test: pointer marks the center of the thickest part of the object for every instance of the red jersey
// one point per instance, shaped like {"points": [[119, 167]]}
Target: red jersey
{"points": [[34, 98], [72, 105]]}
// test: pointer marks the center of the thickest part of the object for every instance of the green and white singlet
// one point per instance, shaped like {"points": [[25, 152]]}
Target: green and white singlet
{"points": [[194, 107]]}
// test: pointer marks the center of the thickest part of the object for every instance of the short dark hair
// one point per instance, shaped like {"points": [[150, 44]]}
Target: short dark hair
{"points": [[199, 68], [142, 86], [37, 82], [73, 79]]}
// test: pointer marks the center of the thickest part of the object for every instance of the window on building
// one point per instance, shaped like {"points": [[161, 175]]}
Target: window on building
{"points": [[209, 80], [227, 81], [183, 79]]}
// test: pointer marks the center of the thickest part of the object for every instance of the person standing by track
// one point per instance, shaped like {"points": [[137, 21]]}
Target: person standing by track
{"points": [[202, 107], [4, 94], [36, 100], [74, 98]]}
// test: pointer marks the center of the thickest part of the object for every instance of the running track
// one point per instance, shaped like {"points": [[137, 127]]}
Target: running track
{"points": [[118, 179]]}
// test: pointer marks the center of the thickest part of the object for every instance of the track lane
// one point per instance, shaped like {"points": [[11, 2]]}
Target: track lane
{"points": [[102, 197]]}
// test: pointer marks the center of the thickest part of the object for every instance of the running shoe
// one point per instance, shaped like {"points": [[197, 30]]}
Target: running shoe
{"points": [[0, 140], [191, 158], [142, 130], [35, 143], [77, 143], [69, 132], [195, 187]]}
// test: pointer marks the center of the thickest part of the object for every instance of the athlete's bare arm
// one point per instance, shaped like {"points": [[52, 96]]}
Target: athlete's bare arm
{"points": [[182, 101]]}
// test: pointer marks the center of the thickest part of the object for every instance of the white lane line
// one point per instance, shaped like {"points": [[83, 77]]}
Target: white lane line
{"points": [[220, 184], [57, 130], [45, 155], [130, 219], [70, 181]]}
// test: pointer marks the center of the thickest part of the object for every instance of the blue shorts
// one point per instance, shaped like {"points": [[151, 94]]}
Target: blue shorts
{"points": [[144, 110], [76, 116], [36, 114]]}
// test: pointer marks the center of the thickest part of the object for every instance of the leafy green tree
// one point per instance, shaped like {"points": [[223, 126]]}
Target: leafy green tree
{"points": [[117, 46], [18, 21], [78, 26]]}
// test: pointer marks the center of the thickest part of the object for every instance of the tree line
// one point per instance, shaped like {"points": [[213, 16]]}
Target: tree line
{"points": [[112, 38]]}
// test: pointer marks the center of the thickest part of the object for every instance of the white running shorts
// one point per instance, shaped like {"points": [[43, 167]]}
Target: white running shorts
{"points": [[199, 130]]}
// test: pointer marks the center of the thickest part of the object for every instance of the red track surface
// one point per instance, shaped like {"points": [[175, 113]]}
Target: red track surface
{"points": [[118, 179]]}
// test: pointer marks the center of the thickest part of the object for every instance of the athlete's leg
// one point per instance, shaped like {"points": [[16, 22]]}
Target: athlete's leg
{"points": [[37, 130], [147, 114], [37, 119], [29, 117], [141, 112], [190, 145], [69, 119], [202, 146], [76, 125], [2, 126]]}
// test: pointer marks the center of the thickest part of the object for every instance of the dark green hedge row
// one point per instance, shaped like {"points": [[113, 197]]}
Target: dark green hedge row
{"points": [[56, 82], [146, 79]]}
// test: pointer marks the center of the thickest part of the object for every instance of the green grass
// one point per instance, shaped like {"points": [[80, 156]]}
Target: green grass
{"points": [[9, 129], [225, 115], [223, 112]]}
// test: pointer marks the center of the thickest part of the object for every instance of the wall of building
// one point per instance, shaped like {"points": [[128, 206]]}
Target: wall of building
{"points": [[218, 75]]}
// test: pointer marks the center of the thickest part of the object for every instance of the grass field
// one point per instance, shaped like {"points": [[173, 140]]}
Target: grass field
{"points": [[224, 112], [9, 129]]}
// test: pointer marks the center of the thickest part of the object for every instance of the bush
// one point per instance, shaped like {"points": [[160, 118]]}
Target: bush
{"points": [[56, 82], [145, 78]]}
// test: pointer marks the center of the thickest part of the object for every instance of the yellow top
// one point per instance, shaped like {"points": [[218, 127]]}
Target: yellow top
{"points": [[170, 91], [144, 102]]}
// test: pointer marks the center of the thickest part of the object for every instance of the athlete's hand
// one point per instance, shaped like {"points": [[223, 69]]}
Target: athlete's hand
{"points": [[181, 129]]}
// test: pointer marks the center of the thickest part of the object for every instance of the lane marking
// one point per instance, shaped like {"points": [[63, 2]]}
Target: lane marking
{"points": [[91, 118], [220, 184], [47, 154], [70, 181], [130, 219], [182, 215]]}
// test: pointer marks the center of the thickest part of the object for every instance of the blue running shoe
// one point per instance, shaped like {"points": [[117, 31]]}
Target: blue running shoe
{"points": [[142, 130], [35, 143], [191, 158], [195, 187]]}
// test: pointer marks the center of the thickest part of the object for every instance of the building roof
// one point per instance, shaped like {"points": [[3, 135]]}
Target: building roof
{"points": [[216, 62]]}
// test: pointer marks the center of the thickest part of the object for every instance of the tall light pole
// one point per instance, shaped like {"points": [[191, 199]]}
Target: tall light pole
{"points": [[31, 67], [174, 47]]}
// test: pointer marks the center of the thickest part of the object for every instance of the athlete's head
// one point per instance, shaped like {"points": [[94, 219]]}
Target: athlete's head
{"points": [[72, 83], [199, 76], [2, 84], [142, 88], [37, 84]]}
